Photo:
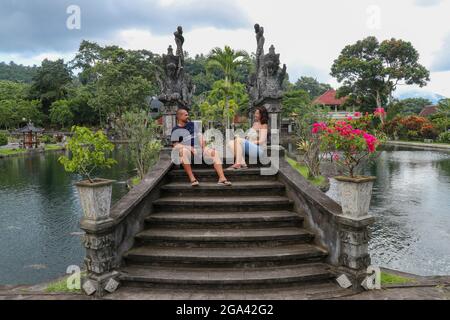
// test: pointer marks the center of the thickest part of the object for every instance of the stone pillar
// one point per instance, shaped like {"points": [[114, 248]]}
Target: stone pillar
{"points": [[99, 242], [354, 236], [169, 121], [99, 261]]}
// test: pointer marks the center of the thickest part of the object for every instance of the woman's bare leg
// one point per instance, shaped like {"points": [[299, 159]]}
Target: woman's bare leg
{"points": [[236, 148], [239, 150]]}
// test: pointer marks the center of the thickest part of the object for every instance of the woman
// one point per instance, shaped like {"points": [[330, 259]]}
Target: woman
{"points": [[253, 144]]}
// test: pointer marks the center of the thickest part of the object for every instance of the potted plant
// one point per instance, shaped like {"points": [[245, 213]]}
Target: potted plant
{"points": [[89, 152], [351, 147]]}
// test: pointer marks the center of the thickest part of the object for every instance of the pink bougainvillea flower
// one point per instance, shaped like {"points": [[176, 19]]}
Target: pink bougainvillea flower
{"points": [[357, 114], [380, 112], [319, 127]]}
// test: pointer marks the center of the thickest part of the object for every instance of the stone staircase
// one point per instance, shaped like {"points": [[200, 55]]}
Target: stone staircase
{"points": [[242, 237]]}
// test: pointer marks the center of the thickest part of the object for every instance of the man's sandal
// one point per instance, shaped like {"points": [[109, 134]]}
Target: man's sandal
{"points": [[224, 183]]}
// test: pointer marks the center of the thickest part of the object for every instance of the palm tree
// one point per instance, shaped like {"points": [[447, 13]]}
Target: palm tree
{"points": [[228, 61]]}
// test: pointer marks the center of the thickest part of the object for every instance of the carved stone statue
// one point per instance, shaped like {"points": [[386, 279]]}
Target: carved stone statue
{"points": [[176, 86], [179, 40], [266, 82], [274, 75], [260, 40]]}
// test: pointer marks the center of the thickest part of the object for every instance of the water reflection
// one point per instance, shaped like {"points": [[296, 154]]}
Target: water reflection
{"points": [[412, 205], [40, 214]]}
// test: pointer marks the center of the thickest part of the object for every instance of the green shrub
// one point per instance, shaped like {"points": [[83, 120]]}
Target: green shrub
{"points": [[444, 137], [3, 139], [89, 152], [47, 139], [142, 134]]}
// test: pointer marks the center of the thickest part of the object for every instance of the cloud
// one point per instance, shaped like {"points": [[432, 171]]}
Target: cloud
{"points": [[31, 27], [428, 3], [441, 60]]}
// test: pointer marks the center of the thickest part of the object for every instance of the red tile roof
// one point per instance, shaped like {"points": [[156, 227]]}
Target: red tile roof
{"points": [[428, 111], [329, 99]]}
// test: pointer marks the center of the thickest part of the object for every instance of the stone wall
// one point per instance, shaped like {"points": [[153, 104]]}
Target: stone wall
{"points": [[320, 211], [106, 241]]}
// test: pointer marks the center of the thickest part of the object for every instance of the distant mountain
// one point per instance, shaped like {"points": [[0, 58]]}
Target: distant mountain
{"points": [[16, 72], [433, 97]]}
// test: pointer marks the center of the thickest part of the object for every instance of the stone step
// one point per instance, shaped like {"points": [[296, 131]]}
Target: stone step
{"points": [[233, 237], [226, 163], [222, 204], [210, 175], [239, 188], [152, 254], [225, 277], [225, 220], [322, 290]]}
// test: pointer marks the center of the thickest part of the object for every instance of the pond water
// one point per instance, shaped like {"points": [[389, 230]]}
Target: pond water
{"points": [[40, 214], [411, 203]]}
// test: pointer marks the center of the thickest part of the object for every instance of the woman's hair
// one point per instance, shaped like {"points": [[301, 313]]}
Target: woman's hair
{"points": [[264, 115]]}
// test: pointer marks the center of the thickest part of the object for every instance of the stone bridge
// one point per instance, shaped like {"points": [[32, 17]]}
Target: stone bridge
{"points": [[266, 232]]}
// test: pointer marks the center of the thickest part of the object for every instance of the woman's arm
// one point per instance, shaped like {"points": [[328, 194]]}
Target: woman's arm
{"points": [[262, 134]]}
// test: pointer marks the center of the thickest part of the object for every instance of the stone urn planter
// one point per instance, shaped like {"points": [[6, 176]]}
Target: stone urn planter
{"points": [[95, 198], [355, 194]]}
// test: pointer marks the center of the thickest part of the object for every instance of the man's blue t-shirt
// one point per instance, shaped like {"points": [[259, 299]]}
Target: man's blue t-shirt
{"points": [[184, 135]]}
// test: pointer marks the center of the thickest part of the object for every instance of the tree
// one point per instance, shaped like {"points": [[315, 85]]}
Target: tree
{"points": [[370, 71], [14, 106], [78, 98], [17, 73], [414, 105], [309, 144], [444, 111], [294, 101], [142, 135], [121, 79], [89, 152], [111, 101], [30, 110], [228, 61], [6, 114], [224, 101], [202, 78], [16, 112], [61, 114], [49, 83], [313, 87], [10, 90]]}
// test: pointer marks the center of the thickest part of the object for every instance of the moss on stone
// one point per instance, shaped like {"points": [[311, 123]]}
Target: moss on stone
{"points": [[60, 286], [390, 279]]}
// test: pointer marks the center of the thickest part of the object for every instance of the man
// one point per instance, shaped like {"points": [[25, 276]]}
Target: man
{"points": [[182, 132]]}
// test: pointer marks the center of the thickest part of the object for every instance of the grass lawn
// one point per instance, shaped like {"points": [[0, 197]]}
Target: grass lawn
{"points": [[303, 170], [52, 147], [390, 279], [60, 286], [8, 152]]}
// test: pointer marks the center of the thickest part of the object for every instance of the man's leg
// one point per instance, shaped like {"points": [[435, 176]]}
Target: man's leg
{"points": [[185, 155], [211, 153]]}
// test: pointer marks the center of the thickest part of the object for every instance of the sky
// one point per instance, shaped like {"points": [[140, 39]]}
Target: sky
{"points": [[309, 35]]}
